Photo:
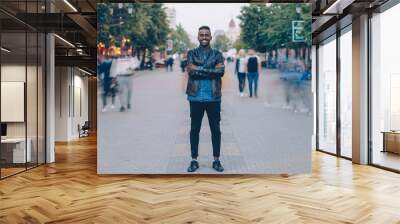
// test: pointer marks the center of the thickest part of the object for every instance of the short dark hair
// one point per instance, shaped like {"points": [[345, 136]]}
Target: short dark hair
{"points": [[205, 28]]}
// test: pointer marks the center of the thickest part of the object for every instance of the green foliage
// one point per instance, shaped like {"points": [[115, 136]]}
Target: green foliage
{"points": [[145, 27], [221, 43], [267, 27], [239, 44], [181, 40], [103, 24]]}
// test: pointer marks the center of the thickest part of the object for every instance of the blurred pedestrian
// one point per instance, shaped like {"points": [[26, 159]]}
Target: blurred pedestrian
{"points": [[103, 71], [169, 63], [240, 70], [122, 70], [183, 59], [253, 67]]}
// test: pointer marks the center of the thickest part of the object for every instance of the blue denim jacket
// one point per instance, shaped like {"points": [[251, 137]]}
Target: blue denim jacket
{"points": [[204, 93], [204, 83]]}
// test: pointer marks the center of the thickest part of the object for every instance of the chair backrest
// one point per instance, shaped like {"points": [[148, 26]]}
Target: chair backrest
{"points": [[86, 125]]}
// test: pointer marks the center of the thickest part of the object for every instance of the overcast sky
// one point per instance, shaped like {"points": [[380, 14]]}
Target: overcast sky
{"points": [[215, 15]]}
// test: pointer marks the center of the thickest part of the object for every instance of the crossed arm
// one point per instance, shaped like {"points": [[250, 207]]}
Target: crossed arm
{"points": [[205, 71]]}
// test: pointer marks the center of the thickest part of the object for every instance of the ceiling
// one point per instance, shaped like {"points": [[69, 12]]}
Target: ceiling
{"points": [[73, 20], [330, 15]]}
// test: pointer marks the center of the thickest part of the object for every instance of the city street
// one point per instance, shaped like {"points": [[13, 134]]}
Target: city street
{"points": [[259, 135]]}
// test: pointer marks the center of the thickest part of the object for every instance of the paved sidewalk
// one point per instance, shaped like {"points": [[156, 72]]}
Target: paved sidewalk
{"points": [[258, 135]]}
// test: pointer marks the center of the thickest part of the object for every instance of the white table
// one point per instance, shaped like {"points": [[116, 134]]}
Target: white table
{"points": [[19, 153]]}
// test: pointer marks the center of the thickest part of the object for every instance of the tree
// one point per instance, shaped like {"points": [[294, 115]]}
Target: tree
{"points": [[143, 26], [252, 18], [140, 26], [221, 43], [103, 24], [239, 44], [269, 27], [181, 40], [157, 30]]}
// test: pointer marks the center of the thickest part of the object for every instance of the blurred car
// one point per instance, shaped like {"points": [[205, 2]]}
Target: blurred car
{"points": [[159, 63]]}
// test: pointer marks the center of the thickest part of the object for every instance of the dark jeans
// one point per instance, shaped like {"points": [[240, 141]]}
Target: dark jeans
{"points": [[213, 110], [104, 99], [108, 91], [183, 65], [169, 67], [242, 80], [253, 81]]}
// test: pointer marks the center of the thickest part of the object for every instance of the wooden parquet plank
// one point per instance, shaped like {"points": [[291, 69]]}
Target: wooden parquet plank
{"points": [[70, 191]]}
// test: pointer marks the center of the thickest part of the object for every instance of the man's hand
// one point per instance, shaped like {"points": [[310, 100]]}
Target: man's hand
{"points": [[191, 67], [220, 65]]}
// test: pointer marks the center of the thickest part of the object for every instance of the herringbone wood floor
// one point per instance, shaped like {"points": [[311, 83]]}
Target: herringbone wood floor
{"points": [[70, 191]]}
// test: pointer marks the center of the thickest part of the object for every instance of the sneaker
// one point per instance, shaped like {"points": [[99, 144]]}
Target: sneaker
{"points": [[122, 109], [194, 165], [112, 107], [104, 109], [217, 166]]}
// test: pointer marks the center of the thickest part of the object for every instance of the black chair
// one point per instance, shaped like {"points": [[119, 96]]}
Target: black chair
{"points": [[84, 130]]}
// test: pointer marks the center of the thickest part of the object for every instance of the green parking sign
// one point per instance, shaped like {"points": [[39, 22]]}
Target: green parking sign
{"points": [[298, 31]]}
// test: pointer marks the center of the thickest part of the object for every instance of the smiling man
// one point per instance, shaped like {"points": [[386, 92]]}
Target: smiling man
{"points": [[205, 70]]}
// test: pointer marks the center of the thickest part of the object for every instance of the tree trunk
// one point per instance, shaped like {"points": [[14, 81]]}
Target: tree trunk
{"points": [[143, 58]]}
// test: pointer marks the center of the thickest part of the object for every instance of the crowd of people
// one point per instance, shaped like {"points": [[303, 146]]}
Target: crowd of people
{"points": [[169, 61], [294, 74], [116, 74]]}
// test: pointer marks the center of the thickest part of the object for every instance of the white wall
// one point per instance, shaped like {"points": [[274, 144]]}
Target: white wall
{"points": [[16, 73], [71, 94], [79, 104], [61, 103]]}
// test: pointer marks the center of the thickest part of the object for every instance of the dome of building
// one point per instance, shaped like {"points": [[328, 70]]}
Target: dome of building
{"points": [[232, 24]]}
